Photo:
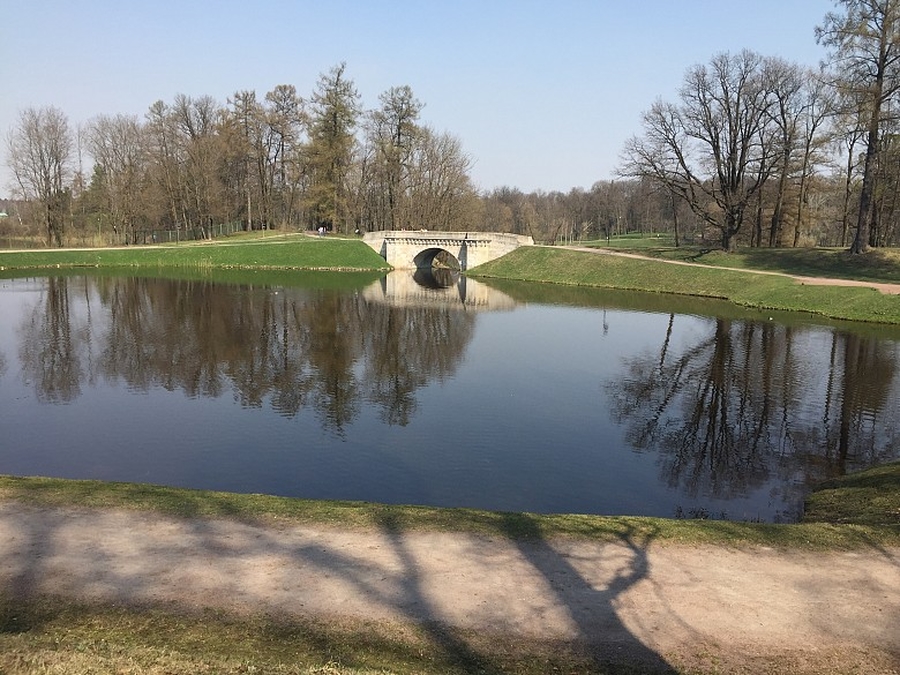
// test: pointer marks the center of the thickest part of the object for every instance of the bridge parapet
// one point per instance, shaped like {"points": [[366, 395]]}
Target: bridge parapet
{"points": [[409, 250]]}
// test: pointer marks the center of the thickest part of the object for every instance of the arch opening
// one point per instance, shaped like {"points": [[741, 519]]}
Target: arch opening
{"points": [[437, 259]]}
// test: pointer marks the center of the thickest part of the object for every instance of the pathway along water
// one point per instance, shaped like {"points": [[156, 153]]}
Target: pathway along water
{"points": [[472, 597]]}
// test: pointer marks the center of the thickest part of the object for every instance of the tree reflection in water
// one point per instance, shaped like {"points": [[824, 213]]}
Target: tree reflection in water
{"points": [[288, 348], [51, 345], [727, 410]]}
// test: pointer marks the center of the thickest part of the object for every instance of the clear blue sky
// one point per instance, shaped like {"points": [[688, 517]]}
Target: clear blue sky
{"points": [[542, 95]]}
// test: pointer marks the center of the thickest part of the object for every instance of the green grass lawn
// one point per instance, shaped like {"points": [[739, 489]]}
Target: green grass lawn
{"points": [[763, 291], [288, 253], [878, 265]]}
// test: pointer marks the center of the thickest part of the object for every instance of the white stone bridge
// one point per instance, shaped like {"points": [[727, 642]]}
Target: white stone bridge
{"points": [[404, 249]]}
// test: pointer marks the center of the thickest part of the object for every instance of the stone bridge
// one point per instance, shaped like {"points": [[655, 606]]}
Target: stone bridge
{"points": [[412, 250]]}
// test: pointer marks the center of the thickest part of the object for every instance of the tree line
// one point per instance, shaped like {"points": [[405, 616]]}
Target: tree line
{"points": [[277, 161], [756, 150]]}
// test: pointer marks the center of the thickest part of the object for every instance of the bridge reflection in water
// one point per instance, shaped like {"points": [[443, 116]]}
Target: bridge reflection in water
{"points": [[437, 288]]}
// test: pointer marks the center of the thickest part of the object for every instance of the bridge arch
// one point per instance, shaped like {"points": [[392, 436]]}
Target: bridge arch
{"points": [[413, 250], [427, 257]]}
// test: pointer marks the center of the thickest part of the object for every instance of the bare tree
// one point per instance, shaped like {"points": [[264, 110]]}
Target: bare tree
{"points": [[818, 107], [786, 114], [244, 125], [711, 150], [865, 51], [40, 151], [441, 194], [395, 137], [116, 144], [287, 121]]}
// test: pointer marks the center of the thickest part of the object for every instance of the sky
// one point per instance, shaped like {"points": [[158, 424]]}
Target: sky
{"points": [[542, 94]]}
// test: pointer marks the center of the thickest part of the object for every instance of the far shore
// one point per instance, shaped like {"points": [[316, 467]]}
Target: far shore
{"points": [[834, 294]]}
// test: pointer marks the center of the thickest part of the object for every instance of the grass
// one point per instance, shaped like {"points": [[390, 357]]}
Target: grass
{"points": [[815, 534], [633, 241], [54, 636], [761, 291], [297, 252], [541, 264], [878, 265], [871, 498]]}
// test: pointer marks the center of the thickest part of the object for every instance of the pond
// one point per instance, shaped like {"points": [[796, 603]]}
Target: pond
{"points": [[514, 397]]}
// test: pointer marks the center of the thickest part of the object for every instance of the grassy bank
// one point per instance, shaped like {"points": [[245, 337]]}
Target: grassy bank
{"points": [[878, 265], [55, 637], [818, 532], [539, 264], [288, 252], [763, 291], [871, 498]]}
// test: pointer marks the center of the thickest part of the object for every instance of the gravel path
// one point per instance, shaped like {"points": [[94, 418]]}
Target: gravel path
{"points": [[660, 604]]}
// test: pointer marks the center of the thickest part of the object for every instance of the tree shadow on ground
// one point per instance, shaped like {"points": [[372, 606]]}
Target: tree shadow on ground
{"points": [[604, 644], [610, 644], [599, 641]]}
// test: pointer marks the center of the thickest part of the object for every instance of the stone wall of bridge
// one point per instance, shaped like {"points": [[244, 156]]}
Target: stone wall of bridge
{"points": [[411, 250]]}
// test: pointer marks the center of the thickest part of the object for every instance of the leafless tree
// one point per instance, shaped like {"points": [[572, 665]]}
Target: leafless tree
{"points": [[116, 144], [712, 149], [865, 52], [40, 149]]}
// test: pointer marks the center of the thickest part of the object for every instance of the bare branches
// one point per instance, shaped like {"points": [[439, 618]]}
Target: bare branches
{"points": [[40, 149]]}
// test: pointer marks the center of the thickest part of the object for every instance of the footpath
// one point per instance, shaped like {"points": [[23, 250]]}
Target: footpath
{"points": [[714, 609], [886, 288]]}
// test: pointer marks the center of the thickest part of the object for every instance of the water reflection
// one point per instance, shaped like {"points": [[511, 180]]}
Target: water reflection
{"points": [[747, 399], [437, 288], [52, 346], [392, 379], [432, 277], [290, 348]]}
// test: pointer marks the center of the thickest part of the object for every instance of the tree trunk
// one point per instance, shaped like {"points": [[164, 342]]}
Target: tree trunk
{"points": [[861, 240]]}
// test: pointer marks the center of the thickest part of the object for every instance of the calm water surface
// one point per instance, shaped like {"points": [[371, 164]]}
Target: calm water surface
{"points": [[523, 398]]}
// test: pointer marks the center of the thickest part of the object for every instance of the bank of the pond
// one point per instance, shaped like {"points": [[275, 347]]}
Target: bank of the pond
{"points": [[743, 287], [826, 525], [290, 252]]}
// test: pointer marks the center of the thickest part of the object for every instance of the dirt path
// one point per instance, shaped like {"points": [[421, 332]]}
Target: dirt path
{"points": [[660, 604], [889, 289]]}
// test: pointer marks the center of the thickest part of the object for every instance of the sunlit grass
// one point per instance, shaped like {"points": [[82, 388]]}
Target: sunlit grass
{"points": [[870, 497], [763, 291], [55, 636], [878, 265], [269, 253], [187, 503]]}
